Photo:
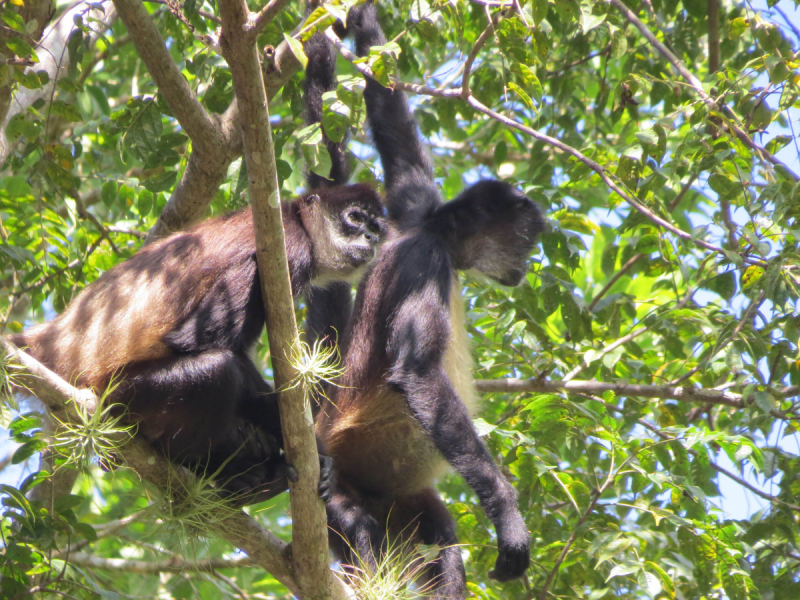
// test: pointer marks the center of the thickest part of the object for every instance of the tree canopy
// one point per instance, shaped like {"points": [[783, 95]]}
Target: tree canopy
{"points": [[649, 362]]}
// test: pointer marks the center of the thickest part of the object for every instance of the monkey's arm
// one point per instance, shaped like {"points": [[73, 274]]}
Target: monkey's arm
{"points": [[416, 349], [408, 172]]}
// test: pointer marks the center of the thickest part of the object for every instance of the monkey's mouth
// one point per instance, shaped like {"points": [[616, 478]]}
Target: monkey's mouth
{"points": [[360, 255]]}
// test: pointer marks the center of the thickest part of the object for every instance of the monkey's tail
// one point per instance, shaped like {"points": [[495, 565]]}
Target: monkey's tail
{"points": [[321, 78]]}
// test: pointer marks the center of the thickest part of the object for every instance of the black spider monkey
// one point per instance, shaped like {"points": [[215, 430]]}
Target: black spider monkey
{"points": [[406, 397], [172, 326]]}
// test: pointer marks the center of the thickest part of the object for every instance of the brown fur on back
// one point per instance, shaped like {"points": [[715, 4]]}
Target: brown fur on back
{"points": [[122, 316]]}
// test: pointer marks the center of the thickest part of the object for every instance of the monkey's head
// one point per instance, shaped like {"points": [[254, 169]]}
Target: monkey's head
{"points": [[493, 229], [345, 225]]}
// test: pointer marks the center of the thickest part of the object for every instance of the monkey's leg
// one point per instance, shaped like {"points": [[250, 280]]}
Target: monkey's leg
{"points": [[444, 578], [195, 410], [356, 536]]}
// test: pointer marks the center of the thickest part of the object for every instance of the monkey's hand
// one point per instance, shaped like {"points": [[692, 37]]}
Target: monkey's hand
{"points": [[514, 551], [327, 478]]}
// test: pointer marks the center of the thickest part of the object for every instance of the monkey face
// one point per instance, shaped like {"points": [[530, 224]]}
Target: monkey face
{"points": [[494, 229], [346, 227], [360, 234]]}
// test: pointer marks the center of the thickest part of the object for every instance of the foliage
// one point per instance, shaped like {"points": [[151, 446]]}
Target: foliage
{"points": [[621, 488]]}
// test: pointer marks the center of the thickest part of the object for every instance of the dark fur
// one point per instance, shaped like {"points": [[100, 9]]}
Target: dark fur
{"points": [[403, 401], [172, 326], [326, 324]]}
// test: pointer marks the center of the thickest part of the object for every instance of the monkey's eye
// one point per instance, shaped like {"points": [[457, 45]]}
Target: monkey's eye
{"points": [[356, 216]]}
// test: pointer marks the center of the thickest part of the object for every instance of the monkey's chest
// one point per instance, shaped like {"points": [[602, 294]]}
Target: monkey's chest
{"points": [[380, 447]]}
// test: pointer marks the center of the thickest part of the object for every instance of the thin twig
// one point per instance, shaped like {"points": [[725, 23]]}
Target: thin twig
{"points": [[258, 21], [479, 43], [580, 61], [788, 21], [746, 316], [677, 199], [624, 269], [62, 270]]}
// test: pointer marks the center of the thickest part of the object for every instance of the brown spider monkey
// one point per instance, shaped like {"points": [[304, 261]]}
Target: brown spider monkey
{"points": [[406, 399], [173, 325]]}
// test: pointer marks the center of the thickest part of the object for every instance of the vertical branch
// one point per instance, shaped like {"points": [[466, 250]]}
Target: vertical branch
{"points": [[309, 526]]}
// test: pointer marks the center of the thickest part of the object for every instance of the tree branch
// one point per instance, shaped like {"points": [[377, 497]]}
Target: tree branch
{"points": [[686, 394], [309, 525], [261, 545], [206, 172], [143, 567], [198, 124], [257, 21], [697, 85]]}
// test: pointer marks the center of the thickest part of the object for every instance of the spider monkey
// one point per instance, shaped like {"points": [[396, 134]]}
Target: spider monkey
{"points": [[404, 407], [172, 326]]}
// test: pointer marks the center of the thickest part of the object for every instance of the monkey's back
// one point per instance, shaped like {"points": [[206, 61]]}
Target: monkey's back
{"points": [[123, 316]]}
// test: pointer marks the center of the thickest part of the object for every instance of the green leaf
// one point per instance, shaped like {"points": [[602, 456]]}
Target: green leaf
{"points": [[621, 570], [21, 48], [66, 111], [612, 549], [500, 153], [335, 126], [160, 183], [108, 192], [523, 96], [28, 449], [649, 583], [619, 44], [737, 27], [482, 427], [296, 46]]}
